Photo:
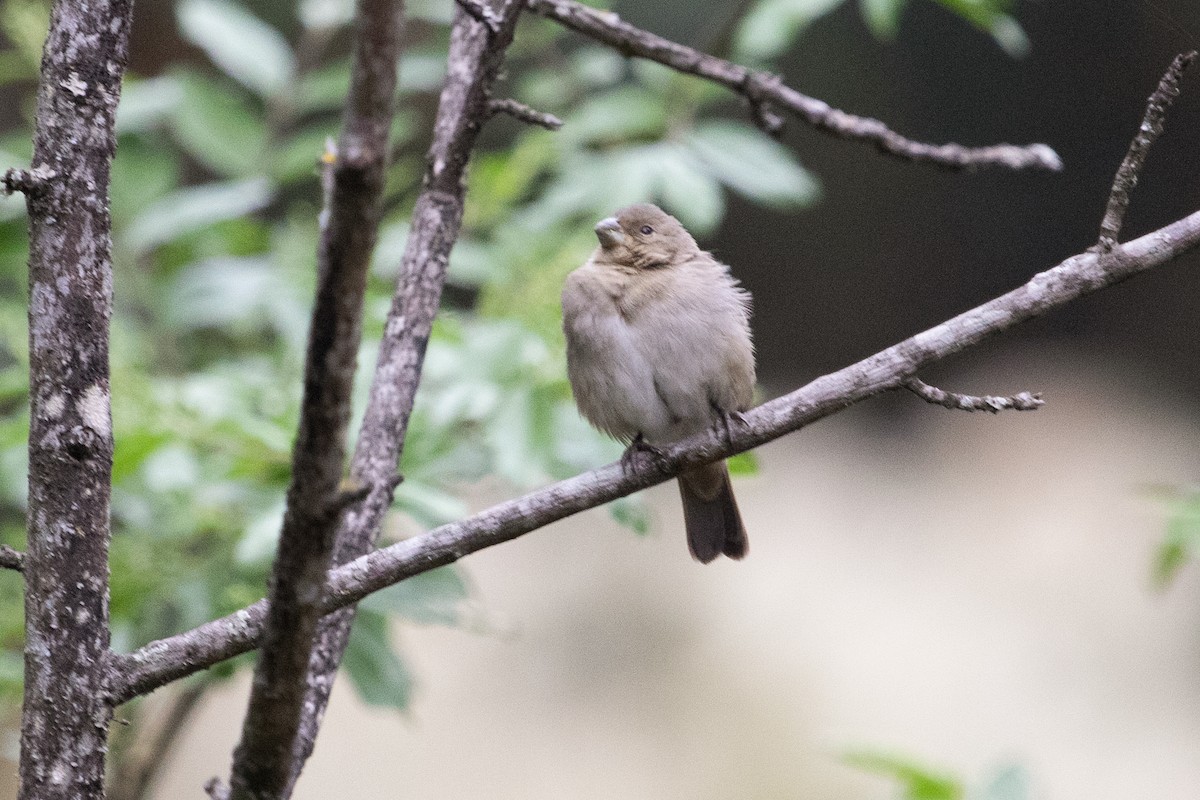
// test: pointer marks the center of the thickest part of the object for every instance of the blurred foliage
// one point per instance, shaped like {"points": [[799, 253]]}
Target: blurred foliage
{"points": [[1181, 543], [771, 25], [214, 205], [915, 781]]}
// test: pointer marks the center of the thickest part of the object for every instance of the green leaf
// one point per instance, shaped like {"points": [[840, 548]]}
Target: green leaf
{"points": [[1182, 540], [688, 191], [624, 113], [219, 128], [140, 175], [436, 597], [324, 14], [378, 673], [772, 25], [743, 464], [917, 782], [750, 163], [991, 17], [245, 48], [146, 103], [632, 513], [882, 16], [24, 23], [1011, 782], [429, 505], [190, 209]]}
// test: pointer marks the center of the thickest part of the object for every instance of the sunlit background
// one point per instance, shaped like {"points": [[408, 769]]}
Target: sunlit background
{"points": [[936, 605]]}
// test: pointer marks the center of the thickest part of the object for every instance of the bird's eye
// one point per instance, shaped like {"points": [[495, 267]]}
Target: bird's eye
{"points": [[647, 230]]}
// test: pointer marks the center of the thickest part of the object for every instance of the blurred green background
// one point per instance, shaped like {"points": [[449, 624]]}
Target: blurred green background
{"points": [[215, 196]]}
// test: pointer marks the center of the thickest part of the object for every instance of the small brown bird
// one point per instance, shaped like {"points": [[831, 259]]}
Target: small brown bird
{"points": [[658, 348]]}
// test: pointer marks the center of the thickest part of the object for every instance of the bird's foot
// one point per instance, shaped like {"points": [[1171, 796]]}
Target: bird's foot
{"points": [[638, 449], [725, 421]]}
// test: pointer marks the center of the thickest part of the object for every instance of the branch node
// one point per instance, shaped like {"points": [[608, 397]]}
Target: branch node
{"points": [[1022, 401], [11, 559], [1131, 167], [761, 111], [522, 112], [27, 182], [481, 12]]}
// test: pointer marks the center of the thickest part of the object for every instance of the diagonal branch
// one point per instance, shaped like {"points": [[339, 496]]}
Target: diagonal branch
{"points": [[1131, 167], [161, 662], [476, 54], [765, 91], [353, 178]]}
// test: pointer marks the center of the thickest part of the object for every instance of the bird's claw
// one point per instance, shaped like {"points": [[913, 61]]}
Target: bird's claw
{"points": [[638, 447], [725, 420]]}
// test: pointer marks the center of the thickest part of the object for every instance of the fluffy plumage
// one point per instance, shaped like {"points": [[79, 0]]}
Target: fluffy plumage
{"points": [[659, 346]]}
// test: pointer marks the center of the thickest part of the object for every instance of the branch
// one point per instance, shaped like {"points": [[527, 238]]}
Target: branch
{"points": [[25, 181], [1023, 401], [475, 57], [66, 711], [272, 750], [764, 91], [530, 116], [481, 12], [160, 662], [1131, 166], [11, 559]]}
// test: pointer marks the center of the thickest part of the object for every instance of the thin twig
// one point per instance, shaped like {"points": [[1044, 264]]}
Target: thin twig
{"points": [[166, 660], [524, 113], [1022, 401], [1131, 167], [766, 92], [272, 749], [11, 559]]}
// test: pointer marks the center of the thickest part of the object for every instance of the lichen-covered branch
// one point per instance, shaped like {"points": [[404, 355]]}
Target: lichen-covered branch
{"points": [[766, 92], [271, 751], [65, 716]]}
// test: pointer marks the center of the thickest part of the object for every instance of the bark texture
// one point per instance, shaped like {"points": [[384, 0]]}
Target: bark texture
{"points": [[476, 54], [64, 726], [273, 746]]}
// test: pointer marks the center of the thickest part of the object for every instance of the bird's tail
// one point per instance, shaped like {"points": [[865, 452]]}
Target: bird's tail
{"points": [[710, 514]]}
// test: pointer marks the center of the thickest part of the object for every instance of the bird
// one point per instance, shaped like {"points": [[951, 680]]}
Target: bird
{"points": [[659, 348]]}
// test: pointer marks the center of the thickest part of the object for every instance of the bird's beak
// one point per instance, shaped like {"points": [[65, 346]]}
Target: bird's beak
{"points": [[609, 232]]}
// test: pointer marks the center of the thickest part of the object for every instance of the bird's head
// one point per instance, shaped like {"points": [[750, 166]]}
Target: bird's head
{"points": [[643, 236]]}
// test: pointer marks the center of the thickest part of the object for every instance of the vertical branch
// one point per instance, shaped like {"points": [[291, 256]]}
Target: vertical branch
{"points": [[476, 54], [1131, 167], [64, 725], [354, 178]]}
